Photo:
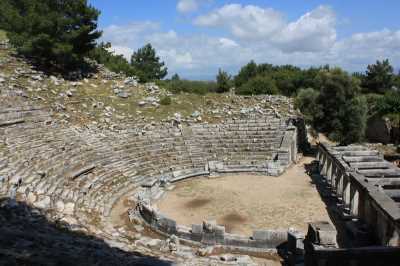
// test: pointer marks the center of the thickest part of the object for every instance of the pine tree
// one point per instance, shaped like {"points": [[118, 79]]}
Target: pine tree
{"points": [[379, 77], [223, 81], [147, 64], [54, 32]]}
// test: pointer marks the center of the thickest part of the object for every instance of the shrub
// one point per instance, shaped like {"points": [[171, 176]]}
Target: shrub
{"points": [[354, 121], [343, 113], [389, 106], [166, 100], [258, 85], [307, 102]]}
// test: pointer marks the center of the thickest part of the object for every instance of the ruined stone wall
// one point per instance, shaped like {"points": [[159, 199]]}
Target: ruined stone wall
{"points": [[209, 233], [368, 188]]}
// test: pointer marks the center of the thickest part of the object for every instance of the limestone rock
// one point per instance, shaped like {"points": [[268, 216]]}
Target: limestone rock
{"points": [[44, 203]]}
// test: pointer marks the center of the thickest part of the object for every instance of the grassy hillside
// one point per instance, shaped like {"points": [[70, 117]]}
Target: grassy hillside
{"points": [[95, 100]]}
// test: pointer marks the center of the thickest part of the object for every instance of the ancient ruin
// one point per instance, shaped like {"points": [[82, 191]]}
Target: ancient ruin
{"points": [[59, 178]]}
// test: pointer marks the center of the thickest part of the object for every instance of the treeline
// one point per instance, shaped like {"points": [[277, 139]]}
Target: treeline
{"points": [[340, 104]]}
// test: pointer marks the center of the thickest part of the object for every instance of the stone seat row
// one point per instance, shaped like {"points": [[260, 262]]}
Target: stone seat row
{"points": [[41, 156]]}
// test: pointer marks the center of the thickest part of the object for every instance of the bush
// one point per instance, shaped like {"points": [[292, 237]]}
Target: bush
{"points": [[389, 106], [343, 113], [307, 102], [373, 101], [353, 122], [258, 85], [166, 100], [59, 33]]}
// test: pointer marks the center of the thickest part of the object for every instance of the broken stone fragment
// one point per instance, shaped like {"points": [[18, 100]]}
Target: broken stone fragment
{"points": [[196, 114], [123, 94]]}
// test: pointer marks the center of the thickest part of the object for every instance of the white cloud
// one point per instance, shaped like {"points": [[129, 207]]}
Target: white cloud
{"points": [[309, 40], [249, 22], [311, 32], [188, 6], [122, 50], [226, 43], [128, 34], [314, 31], [365, 48]]}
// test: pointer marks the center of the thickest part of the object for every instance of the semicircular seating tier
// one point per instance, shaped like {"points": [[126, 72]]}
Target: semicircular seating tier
{"points": [[78, 173]]}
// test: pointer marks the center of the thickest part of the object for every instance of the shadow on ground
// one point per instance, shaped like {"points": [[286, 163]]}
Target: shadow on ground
{"points": [[330, 203], [28, 238]]}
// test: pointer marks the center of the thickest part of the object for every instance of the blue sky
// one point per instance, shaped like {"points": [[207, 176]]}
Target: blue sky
{"points": [[196, 37]]}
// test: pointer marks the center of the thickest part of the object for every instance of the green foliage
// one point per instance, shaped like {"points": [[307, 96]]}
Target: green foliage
{"points": [[166, 100], [389, 106], [307, 102], [258, 85], [373, 101], [3, 35], [147, 64], [189, 86], [342, 111], [115, 63], [397, 81], [353, 121], [288, 79], [337, 107], [379, 77], [59, 33], [223, 81], [245, 74]]}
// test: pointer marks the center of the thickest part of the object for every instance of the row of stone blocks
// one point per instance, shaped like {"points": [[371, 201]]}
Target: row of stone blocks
{"points": [[48, 164], [209, 233], [363, 183]]}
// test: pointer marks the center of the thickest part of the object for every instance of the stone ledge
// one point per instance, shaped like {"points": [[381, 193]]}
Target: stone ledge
{"points": [[209, 233]]}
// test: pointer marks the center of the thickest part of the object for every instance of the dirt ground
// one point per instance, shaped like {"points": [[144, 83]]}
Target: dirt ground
{"points": [[246, 202]]}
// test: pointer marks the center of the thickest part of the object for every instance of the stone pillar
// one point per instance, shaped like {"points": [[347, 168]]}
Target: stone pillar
{"points": [[362, 202], [354, 201], [346, 191], [329, 172], [334, 178], [324, 164], [339, 184], [318, 157], [322, 159]]}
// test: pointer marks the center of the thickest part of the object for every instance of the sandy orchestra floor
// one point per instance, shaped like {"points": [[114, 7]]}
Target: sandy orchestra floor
{"points": [[246, 202]]}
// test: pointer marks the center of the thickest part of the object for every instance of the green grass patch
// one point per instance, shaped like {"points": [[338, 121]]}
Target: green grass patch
{"points": [[3, 35]]}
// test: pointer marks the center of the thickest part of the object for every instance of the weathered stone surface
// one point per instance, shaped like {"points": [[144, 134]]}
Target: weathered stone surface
{"points": [[44, 203]]}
